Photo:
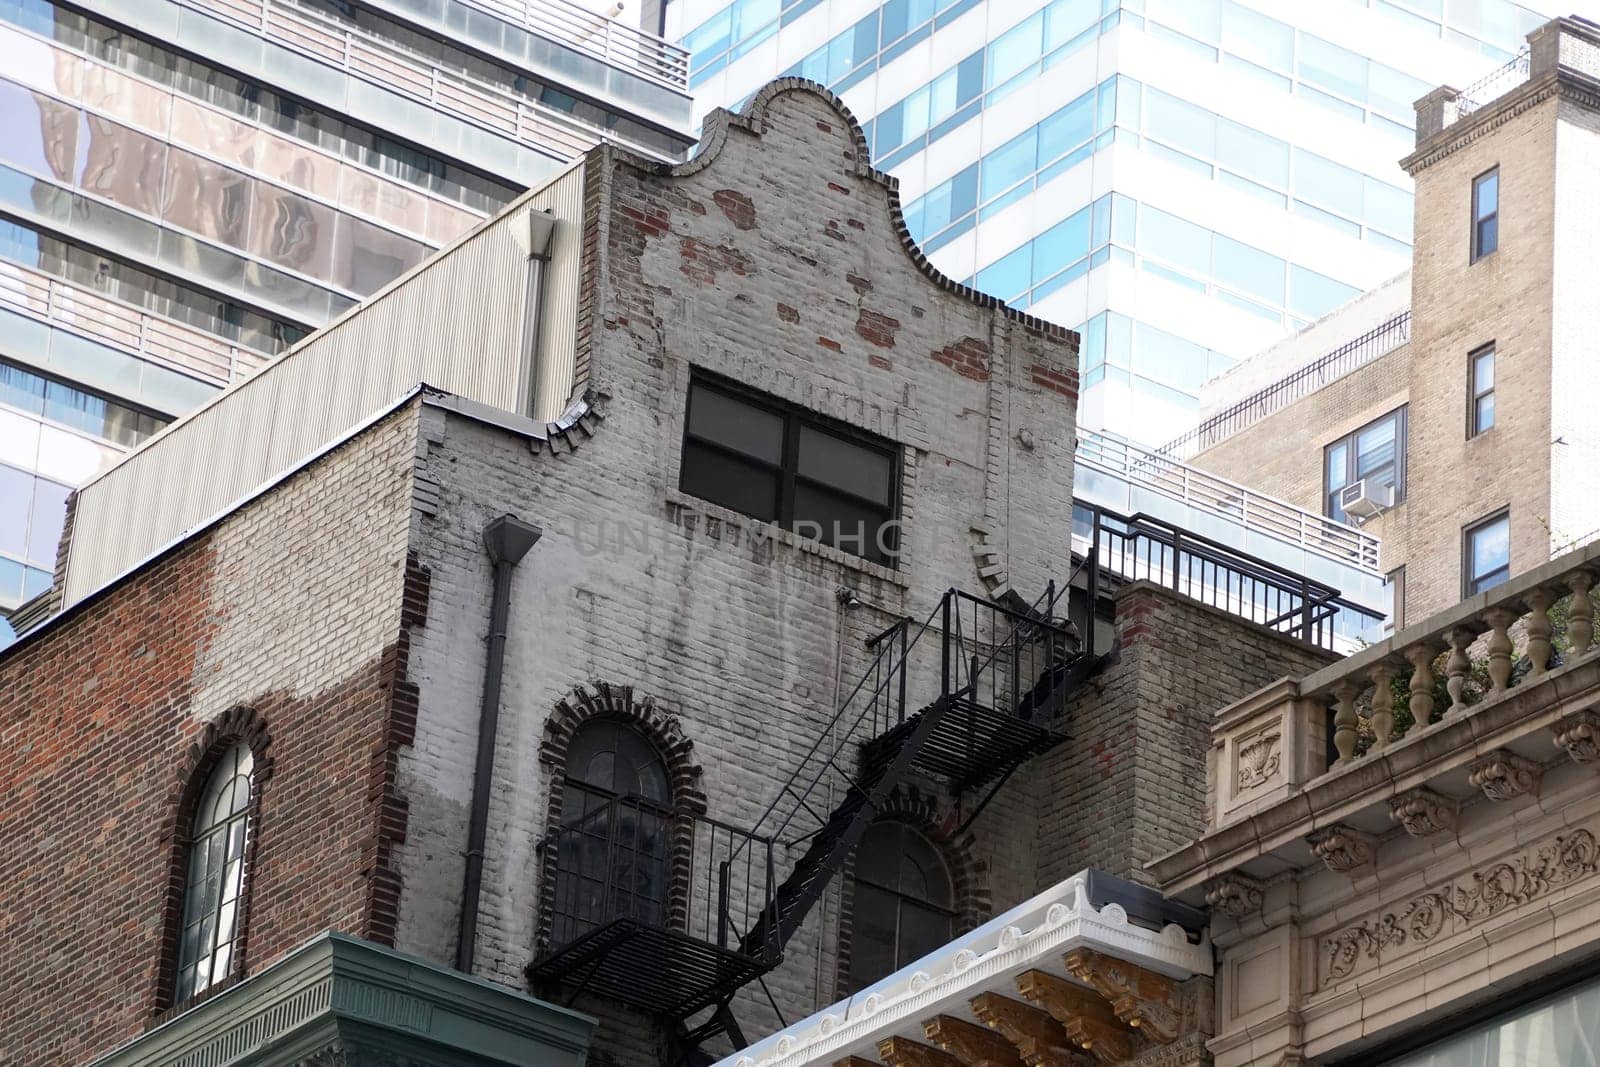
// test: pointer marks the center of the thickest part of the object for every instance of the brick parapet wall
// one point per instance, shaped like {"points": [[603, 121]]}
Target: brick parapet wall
{"points": [[1130, 783]]}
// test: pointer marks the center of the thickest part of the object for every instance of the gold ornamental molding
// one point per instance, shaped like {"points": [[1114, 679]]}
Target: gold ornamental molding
{"points": [[1161, 1008], [1038, 1038], [902, 1052], [1558, 861], [973, 1045], [1083, 1014]]}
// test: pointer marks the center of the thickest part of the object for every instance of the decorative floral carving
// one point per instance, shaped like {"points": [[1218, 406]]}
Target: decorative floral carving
{"points": [[1560, 861], [1259, 759], [1423, 812], [1234, 895], [1341, 848], [1503, 774], [1580, 735]]}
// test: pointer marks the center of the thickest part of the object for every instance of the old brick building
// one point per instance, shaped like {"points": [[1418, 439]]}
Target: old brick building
{"points": [[656, 606]]}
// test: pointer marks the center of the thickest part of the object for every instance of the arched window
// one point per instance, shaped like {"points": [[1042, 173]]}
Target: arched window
{"points": [[902, 905], [218, 837], [615, 817]]}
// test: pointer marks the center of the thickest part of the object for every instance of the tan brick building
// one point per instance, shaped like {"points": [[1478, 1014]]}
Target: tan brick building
{"points": [[1528, 306]]}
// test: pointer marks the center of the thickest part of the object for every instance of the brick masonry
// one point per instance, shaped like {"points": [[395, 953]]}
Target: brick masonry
{"points": [[1130, 784], [100, 711]]}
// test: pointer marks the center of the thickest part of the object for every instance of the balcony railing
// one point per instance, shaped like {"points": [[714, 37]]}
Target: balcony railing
{"points": [[1143, 548], [1230, 500], [388, 66], [1491, 692], [594, 34], [1280, 394], [1493, 85], [130, 329]]}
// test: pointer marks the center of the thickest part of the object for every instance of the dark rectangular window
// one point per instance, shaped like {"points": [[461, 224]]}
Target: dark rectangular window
{"points": [[1376, 453], [1486, 553], [1485, 214], [1480, 399], [774, 461]]}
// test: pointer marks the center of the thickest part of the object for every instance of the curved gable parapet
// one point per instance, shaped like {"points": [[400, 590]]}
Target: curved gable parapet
{"points": [[755, 119]]}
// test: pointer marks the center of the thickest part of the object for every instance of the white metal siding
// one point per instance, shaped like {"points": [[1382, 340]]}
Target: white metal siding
{"points": [[455, 323]]}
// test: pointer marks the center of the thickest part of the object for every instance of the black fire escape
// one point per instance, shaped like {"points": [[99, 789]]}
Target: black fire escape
{"points": [[673, 913]]}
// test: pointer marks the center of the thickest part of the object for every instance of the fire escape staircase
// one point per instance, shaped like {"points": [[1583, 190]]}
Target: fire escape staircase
{"points": [[988, 680]]}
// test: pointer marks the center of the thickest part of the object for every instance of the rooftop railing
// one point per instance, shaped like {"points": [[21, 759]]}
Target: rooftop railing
{"points": [[1348, 357], [1230, 500], [594, 34], [122, 326], [391, 67], [1493, 85]]}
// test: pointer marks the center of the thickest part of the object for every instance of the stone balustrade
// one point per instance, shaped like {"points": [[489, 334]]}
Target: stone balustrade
{"points": [[1463, 676]]}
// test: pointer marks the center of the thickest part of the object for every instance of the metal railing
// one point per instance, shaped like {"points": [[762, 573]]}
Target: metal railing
{"points": [[122, 326], [596, 35], [636, 860], [1378, 341], [1254, 511], [1493, 85], [1140, 547], [391, 67]]}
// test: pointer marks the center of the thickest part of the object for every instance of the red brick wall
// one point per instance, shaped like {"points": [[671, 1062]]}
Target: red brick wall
{"points": [[101, 710]]}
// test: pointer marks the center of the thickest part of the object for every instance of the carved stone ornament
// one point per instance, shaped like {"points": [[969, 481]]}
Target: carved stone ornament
{"points": [[1260, 756], [1234, 895], [1559, 861], [1503, 775], [1342, 849], [1580, 735], [1423, 812]]}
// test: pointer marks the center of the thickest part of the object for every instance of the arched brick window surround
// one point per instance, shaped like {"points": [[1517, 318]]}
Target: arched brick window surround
{"points": [[239, 725], [969, 876], [619, 703]]}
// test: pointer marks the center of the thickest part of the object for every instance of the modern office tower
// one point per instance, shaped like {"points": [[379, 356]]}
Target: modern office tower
{"points": [[187, 187], [1185, 181]]}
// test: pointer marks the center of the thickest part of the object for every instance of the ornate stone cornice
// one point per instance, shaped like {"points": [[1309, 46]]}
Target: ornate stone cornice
{"points": [[1235, 895], [1504, 775], [1342, 849], [1422, 812], [1493, 889]]}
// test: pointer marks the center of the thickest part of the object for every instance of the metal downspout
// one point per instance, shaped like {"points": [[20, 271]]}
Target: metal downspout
{"points": [[507, 539]]}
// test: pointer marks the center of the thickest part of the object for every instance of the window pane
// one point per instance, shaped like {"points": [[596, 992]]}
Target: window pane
{"points": [[1486, 194], [1488, 235], [1483, 413], [1327, 183], [1257, 38], [1064, 243], [1010, 163], [1176, 240], [1491, 547], [1338, 465], [49, 515], [1180, 123], [922, 930], [1313, 295], [1483, 372], [1068, 128], [1249, 269], [846, 465], [1375, 447], [872, 930], [1389, 208], [1253, 154], [841, 522], [734, 423], [16, 506], [1015, 49], [738, 484], [1009, 276], [1331, 67]]}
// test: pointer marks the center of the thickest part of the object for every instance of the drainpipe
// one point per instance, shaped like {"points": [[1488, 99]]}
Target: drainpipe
{"points": [[507, 539]]}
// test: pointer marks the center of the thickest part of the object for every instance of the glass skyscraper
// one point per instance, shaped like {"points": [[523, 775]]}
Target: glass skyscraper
{"points": [[1184, 181], [189, 186]]}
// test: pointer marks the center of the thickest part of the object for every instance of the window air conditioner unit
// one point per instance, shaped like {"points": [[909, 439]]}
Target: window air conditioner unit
{"points": [[1362, 500]]}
